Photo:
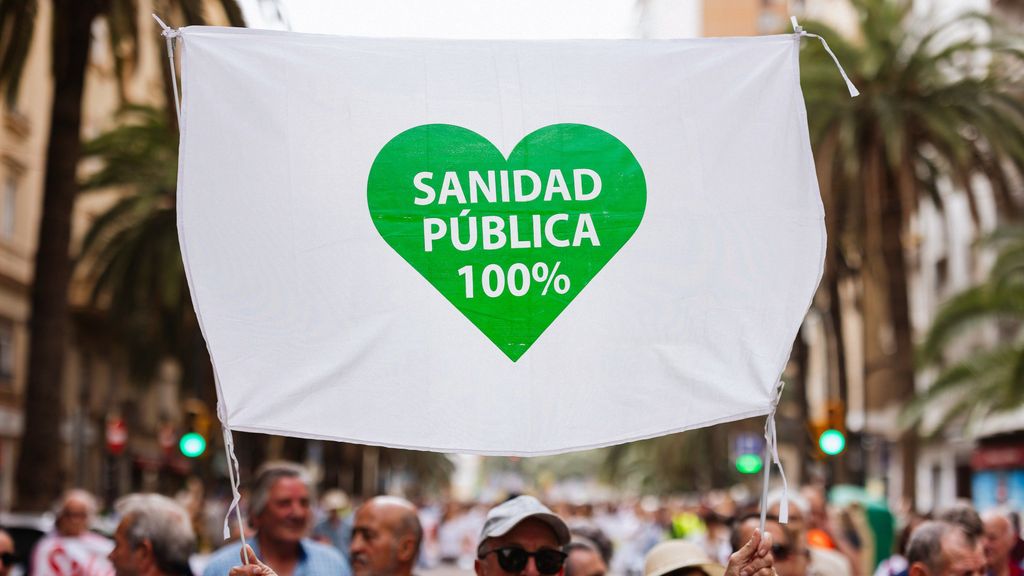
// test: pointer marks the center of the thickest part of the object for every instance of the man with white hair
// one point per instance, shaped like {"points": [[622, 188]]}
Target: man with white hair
{"points": [[279, 510], [942, 548], [154, 538], [71, 549], [998, 541]]}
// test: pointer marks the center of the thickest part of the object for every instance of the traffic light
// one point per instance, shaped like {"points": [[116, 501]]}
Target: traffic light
{"points": [[192, 445], [746, 453], [749, 464], [832, 442], [197, 425], [832, 439]]}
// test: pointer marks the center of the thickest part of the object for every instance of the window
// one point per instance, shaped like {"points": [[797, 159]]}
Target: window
{"points": [[8, 208], [6, 352]]}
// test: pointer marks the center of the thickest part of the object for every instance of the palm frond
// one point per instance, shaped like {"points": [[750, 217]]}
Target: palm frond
{"points": [[17, 24]]}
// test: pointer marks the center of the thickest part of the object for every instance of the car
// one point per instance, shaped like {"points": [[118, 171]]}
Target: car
{"points": [[25, 530]]}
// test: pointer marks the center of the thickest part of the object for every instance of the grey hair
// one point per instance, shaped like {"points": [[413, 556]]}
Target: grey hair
{"points": [[82, 496], [165, 524], [267, 475], [925, 544], [967, 518]]}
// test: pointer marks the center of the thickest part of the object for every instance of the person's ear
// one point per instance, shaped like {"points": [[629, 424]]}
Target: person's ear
{"points": [[144, 551], [478, 567], [407, 549], [918, 569]]}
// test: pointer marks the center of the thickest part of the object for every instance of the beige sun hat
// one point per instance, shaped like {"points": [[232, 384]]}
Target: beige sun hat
{"points": [[676, 554], [334, 500]]}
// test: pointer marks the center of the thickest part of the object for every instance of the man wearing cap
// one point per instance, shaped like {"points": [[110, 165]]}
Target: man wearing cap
{"points": [[336, 528], [522, 536]]}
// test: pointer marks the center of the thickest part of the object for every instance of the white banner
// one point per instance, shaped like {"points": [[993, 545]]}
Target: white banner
{"points": [[499, 247]]}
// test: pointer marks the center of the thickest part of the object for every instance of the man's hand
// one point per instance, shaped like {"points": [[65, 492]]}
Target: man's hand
{"points": [[254, 566], [754, 559]]}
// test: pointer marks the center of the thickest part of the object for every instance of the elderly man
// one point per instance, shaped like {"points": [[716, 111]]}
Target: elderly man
{"points": [[386, 538], [998, 541], [279, 510], [820, 561], [336, 528], [71, 549], [943, 549], [522, 536], [154, 538], [789, 553]]}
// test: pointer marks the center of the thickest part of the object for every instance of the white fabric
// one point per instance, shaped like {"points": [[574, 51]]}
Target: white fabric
{"points": [[318, 328], [84, 555]]}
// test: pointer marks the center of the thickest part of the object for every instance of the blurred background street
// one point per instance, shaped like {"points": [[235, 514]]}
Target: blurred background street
{"points": [[905, 389]]}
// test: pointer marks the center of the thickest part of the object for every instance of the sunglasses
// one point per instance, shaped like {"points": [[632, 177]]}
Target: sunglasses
{"points": [[8, 558], [781, 552], [514, 560]]}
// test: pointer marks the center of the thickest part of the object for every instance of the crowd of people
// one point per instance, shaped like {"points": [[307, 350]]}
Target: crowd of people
{"points": [[288, 532]]}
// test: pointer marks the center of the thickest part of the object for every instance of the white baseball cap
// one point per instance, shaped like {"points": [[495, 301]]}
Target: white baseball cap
{"points": [[504, 517]]}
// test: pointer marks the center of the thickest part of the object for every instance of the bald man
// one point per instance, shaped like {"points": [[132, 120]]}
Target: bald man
{"points": [[998, 541], [386, 537]]}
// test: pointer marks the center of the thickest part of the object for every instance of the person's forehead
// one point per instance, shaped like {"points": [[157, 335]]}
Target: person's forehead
{"points": [[370, 514], [957, 548], [528, 533], [585, 557], [997, 525], [289, 486], [76, 505]]}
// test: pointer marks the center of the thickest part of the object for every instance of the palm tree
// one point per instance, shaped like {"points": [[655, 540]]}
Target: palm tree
{"points": [[673, 463], [38, 468], [130, 253], [934, 105], [991, 379]]}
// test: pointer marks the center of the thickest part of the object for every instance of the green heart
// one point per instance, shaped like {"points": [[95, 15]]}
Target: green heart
{"points": [[465, 218]]}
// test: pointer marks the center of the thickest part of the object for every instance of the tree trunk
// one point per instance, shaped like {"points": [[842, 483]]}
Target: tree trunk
{"points": [[902, 364], [38, 472]]}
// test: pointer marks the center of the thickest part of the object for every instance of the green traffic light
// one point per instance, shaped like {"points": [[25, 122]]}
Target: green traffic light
{"points": [[192, 445], [832, 442], [749, 464]]}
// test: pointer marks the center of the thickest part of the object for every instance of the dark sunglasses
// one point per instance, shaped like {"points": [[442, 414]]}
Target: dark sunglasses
{"points": [[781, 552], [512, 559], [8, 558]]}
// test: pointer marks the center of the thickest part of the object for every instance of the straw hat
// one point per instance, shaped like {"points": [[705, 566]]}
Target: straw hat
{"points": [[675, 554]]}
